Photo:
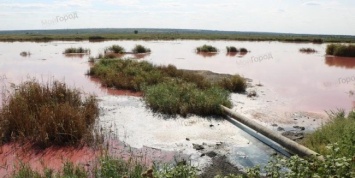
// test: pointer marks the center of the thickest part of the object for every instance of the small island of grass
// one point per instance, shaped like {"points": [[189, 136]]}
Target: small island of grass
{"points": [[206, 49], [140, 49], [341, 50], [308, 50], [79, 50]]}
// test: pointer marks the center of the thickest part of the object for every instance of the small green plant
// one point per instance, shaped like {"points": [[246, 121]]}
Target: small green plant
{"points": [[206, 49], [47, 114], [140, 49], [308, 50], [76, 50], [115, 49], [232, 49], [341, 50]]}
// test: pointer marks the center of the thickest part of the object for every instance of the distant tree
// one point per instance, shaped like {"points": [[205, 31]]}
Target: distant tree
{"points": [[135, 31]]}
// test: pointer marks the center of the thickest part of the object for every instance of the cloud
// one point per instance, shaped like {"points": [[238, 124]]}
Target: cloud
{"points": [[312, 3]]}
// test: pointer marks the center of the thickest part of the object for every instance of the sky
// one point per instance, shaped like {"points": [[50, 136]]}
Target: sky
{"points": [[332, 17]]}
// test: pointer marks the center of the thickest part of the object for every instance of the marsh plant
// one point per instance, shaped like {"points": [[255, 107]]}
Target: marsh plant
{"points": [[25, 54], [341, 50], [232, 49], [140, 49], [206, 49], [47, 114], [308, 50], [115, 49], [79, 50]]}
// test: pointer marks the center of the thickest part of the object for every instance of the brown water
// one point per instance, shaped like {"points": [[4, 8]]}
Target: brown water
{"points": [[313, 82]]}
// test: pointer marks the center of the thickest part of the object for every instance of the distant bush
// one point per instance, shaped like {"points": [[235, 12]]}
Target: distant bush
{"points": [[341, 50], [206, 49], [317, 40], [140, 49], [115, 49], [243, 50], [47, 114], [24, 53], [307, 50], [232, 49], [76, 50]]}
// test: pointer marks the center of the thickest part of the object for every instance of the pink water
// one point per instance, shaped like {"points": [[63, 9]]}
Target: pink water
{"points": [[311, 81]]}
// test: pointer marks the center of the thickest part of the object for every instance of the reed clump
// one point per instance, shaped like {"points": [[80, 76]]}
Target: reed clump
{"points": [[115, 49], [341, 50], [47, 115], [140, 49], [76, 50], [308, 50], [206, 49]]}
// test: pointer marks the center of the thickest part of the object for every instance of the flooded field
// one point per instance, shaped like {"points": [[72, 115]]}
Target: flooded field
{"points": [[312, 82], [292, 87]]}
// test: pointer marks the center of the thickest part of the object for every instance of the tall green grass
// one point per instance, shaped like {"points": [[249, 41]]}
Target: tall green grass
{"points": [[47, 114], [340, 130], [167, 89], [206, 49], [115, 49], [140, 49], [76, 50], [341, 50]]}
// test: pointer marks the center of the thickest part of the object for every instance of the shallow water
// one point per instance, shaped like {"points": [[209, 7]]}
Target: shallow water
{"points": [[314, 82]]}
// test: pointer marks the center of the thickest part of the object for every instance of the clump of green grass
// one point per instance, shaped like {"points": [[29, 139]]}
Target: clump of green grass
{"points": [[236, 84], [340, 130], [140, 49], [341, 50], [308, 50], [243, 50], [47, 114], [115, 49], [76, 50], [232, 49], [24, 53], [206, 49], [185, 92], [178, 97]]}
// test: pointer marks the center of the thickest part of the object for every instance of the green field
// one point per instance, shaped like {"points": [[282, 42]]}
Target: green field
{"points": [[164, 34]]}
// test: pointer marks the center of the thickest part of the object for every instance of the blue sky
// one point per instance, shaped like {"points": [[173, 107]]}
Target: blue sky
{"points": [[288, 16]]}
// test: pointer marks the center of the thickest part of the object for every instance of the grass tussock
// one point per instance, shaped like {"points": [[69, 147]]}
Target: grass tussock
{"points": [[115, 49], [340, 130], [232, 49], [177, 97], [167, 89], [308, 50], [76, 50], [341, 50], [140, 49], [206, 49], [47, 114]]}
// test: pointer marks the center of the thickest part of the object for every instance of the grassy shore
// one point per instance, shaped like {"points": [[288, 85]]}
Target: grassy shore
{"points": [[341, 50], [163, 34]]}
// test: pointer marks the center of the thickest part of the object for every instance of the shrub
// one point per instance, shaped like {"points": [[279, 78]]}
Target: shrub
{"points": [[24, 53], [115, 49], [308, 50], [76, 50], [341, 50], [206, 49], [47, 114], [140, 49], [236, 83], [243, 50], [232, 49]]}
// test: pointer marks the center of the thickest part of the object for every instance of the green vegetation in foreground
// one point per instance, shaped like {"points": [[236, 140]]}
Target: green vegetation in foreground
{"points": [[140, 49], [109, 166], [308, 50], [97, 35], [340, 130], [185, 92], [206, 49], [47, 114], [76, 50], [115, 49], [341, 50]]}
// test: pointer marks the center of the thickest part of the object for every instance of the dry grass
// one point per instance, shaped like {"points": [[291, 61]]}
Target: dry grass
{"points": [[47, 114]]}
